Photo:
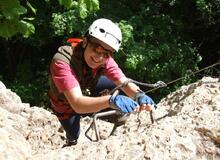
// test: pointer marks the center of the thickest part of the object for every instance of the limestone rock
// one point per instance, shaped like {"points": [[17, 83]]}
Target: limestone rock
{"points": [[187, 127]]}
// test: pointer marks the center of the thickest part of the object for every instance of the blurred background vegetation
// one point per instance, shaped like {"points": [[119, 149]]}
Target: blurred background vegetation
{"points": [[162, 40]]}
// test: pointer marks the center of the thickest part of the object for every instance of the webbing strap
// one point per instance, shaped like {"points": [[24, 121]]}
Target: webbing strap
{"points": [[64, 53]]}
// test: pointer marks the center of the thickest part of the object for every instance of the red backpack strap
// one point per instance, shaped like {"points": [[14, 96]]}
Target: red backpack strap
{"points": [[74, 41]]}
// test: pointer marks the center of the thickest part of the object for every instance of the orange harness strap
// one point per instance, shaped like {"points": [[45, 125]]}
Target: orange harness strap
{"points": [[74, 41]]}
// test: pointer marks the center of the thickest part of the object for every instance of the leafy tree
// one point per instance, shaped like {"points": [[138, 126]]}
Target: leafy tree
{"points": [[27, 50], [162, 40], [11, 21], [155, 46]]}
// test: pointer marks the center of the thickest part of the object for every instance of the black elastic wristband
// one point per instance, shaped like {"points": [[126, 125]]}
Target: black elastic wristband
{"points": [[138, 95]]}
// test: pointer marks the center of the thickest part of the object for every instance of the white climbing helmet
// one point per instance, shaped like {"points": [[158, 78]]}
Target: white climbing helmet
{"points": [[106, 31]]}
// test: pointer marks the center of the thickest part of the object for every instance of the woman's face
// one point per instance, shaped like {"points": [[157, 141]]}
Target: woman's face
{"points": [[97, 52]]}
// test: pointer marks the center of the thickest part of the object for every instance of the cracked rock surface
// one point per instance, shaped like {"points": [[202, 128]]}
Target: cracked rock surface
{"points": [[186, 127]]}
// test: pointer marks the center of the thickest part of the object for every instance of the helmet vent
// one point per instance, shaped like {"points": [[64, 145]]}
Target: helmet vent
{"points": [[106, 31], [102, 30]]}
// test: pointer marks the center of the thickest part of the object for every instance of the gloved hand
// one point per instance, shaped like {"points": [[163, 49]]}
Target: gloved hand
{"points": [[123, 103], [142, 98]]}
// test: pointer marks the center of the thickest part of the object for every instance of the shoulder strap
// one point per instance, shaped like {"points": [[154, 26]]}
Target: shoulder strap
{"points": [[64, 54], [74, 57]]}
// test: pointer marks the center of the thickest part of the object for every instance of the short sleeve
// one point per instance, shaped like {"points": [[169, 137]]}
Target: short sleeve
{"points": [[112, 71], [63, 76]]}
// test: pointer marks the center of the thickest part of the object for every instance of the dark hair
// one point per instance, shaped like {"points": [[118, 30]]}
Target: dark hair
{"points": [[78, 50]]}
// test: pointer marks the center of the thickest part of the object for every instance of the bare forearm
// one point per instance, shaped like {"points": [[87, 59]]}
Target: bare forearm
{"points": [[85, 104], [92, 104], [131, 89]]}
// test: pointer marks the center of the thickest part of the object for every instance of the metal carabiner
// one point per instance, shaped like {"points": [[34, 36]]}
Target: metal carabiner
{"points": [[115, 91]]}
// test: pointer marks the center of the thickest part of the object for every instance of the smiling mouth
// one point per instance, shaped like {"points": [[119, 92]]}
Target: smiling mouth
{"points": [[95, 61]]}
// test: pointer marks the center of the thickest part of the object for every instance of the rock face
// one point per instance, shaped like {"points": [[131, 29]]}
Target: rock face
{"points": [[186, 127]]}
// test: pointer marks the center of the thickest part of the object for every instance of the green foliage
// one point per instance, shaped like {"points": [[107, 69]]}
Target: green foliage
{"points": [[208, 10], [13, 18], [73, 20], [84, 6], [127, 31], [202, 6], [156, 49], [161, 39], [158, 52], [10, 21], [46, 21], [68, 3], [32, 91], [67, 23], [87, 7]]}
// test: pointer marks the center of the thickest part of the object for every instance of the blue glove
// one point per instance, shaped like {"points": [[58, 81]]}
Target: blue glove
{"points": [[123, 103], [142, 98]]}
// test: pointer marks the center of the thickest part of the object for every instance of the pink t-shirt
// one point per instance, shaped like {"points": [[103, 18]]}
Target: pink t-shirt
{"points": [[65, 78]]}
